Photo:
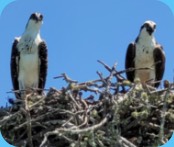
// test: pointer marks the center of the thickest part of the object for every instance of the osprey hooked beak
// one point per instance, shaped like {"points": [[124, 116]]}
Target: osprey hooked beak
{"points": [[150, 27]]}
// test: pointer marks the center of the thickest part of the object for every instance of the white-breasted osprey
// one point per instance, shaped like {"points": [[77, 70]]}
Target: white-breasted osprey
{"points": [[29, 58], [145, 52]]}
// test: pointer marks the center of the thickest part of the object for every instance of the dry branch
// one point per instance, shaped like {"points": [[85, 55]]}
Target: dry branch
{"points": [[107, 117]]}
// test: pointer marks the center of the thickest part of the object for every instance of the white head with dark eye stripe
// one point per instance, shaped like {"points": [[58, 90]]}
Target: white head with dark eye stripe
{"points": [[148, 27], [35, 21]]}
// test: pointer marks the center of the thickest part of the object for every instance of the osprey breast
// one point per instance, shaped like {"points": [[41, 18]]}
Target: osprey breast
{"points": [[28, 65], [144, 59]]}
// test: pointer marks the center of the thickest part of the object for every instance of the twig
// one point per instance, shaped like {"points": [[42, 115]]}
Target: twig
{"points": [[37, 119], [72, 131], [106, 66], [66, 78], [28, 117], [24, 90], [128, 143], [161, 133], [9, 117], [75, 102]]}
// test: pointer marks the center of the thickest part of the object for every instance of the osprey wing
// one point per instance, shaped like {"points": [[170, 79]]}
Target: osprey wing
{"points": [[15, 67], [43, 56], [159, 59], [130, 62]]}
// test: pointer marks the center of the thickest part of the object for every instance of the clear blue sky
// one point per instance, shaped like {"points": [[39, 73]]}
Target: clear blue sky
{"points": [[78, 33]]}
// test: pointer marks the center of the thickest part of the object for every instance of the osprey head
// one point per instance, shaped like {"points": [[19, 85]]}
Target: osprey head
{"points": [[36, 17], [35, 20], [148, 26]]}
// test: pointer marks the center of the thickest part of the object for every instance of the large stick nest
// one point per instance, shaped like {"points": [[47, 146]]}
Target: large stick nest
{"points": [[116, 113]]}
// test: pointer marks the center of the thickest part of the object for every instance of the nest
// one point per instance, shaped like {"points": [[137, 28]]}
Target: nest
{"points": [[114, 114]]}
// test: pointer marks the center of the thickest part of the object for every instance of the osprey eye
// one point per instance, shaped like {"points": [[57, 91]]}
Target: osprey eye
{"points": [[41, 16], [33, 16]]}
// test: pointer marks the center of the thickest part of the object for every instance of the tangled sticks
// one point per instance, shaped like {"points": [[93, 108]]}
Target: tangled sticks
{"points": [[131, 117]]}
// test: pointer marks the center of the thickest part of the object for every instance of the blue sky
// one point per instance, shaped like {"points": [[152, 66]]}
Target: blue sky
{"points": [[78, 33]]}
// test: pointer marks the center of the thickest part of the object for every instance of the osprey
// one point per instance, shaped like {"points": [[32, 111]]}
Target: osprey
{"points": [[29, 58], [145, 52]]}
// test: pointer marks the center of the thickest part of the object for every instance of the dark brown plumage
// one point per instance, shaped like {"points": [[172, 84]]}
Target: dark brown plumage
{"points": [[145, 53]]}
